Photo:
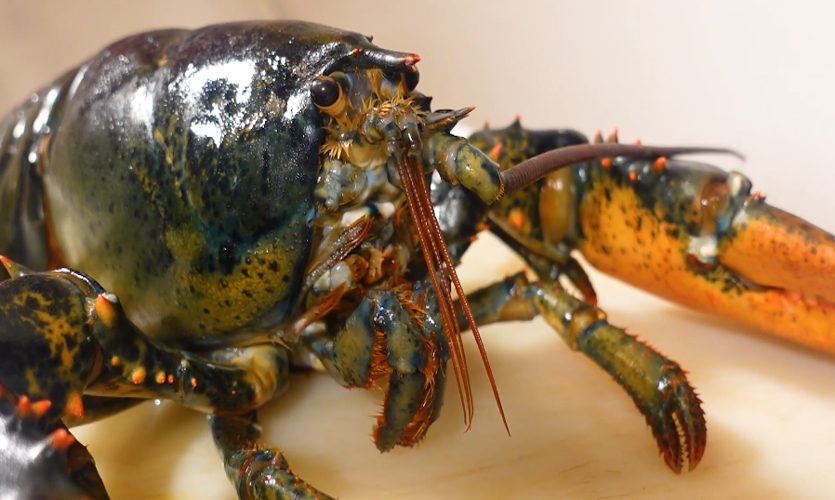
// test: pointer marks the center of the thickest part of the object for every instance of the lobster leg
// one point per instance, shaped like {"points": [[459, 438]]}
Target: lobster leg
{"points": [[256, 471], [99, 407], [379, 340], [68, 320], [64, 328], [657, 385]]}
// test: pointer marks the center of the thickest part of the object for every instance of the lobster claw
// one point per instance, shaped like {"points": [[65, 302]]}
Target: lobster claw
{"points": [[743, 259], [785, 266]]}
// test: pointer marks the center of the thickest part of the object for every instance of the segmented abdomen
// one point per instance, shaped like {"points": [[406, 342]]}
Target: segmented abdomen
{"points": [[24, 149]]}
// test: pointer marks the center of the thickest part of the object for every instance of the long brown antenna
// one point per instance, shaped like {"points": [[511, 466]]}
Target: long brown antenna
{"points": [[435, 253], [533, 169]]}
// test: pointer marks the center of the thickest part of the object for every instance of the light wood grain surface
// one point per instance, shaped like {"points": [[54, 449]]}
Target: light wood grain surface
{"points": [[718, 73]]}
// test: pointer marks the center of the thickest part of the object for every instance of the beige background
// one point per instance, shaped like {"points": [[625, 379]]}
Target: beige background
{"points": [[756, 76]]}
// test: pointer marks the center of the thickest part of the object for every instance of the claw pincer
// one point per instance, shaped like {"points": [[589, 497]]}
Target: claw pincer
{"points": [[657, 384], [699, 236]]}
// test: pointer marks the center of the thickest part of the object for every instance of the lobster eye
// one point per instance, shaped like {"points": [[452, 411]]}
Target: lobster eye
{"points": [[325, 92], [411, 79]]}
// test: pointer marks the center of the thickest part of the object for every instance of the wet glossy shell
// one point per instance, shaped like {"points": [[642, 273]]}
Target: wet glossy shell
{"points": [[178, 169]]}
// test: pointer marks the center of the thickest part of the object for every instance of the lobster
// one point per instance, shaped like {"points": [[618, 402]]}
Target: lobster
{"points": [[189, 215]]}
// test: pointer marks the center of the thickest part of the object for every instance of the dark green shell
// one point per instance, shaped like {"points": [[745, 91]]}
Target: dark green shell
{"points": [[180, 168]]}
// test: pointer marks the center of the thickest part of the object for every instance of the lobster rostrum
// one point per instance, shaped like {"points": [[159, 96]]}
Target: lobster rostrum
{"points": [[189, 215]]}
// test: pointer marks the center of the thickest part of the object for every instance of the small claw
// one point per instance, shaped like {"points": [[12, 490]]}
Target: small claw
{"points": [[658, 386], [677, 422], [578, 277]]}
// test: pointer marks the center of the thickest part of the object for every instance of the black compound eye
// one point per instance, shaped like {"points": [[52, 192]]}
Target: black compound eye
{"points": [[411, 79], [325, 92]]}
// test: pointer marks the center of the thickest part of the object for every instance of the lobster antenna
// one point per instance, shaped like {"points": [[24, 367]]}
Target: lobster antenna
{"points": [[533, 169], [438, 262]]}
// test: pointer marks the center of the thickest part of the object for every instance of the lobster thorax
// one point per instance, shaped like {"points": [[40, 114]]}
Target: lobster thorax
{"points": [[183, 171]]}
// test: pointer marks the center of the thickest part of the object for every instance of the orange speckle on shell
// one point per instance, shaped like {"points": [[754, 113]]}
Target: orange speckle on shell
{"points": [[61, 439], [138, 375], [40, 408], [516, 218], [75, 406], [105, 311], [496, 151], [659, 163], [24, 405]]}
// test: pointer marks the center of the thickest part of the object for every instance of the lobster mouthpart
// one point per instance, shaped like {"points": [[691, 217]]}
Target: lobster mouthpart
{"points": [[410, 354]]}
